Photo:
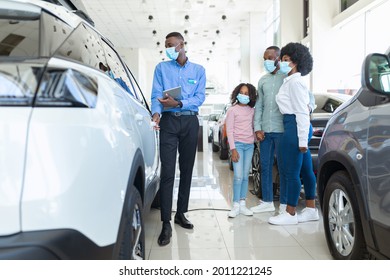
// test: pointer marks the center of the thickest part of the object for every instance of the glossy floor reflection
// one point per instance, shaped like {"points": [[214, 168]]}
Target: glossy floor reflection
{"points": [[217, 237]]}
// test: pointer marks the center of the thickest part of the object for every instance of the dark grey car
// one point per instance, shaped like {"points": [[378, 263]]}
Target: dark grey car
{"points": [[354, 169]]}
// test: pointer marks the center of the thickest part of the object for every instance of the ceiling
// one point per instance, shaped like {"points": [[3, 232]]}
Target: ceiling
{"points": [[213, 26]]}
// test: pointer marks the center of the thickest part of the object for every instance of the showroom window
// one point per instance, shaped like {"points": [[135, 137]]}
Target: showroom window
{"points": [[360, 36], [83, 45], [272, 29], [18, 83], [345, 4]]}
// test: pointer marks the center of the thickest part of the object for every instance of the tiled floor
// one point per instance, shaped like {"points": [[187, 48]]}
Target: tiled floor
{"points": [[217, 237]]}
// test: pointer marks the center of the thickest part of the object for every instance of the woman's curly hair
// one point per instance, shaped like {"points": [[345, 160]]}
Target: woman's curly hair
{"points": [[252, 94], [300, 55]]}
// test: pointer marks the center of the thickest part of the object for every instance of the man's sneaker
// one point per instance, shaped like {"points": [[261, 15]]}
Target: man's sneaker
{"points": [[263, 207], [308, 214], [245, 211], [235, 211], [282, 208], [284, 219]]}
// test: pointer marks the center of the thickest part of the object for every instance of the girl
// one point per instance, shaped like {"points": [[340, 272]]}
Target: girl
{"points": [[239, 127], [293, 101]]}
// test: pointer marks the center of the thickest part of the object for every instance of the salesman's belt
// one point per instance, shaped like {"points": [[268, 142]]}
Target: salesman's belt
{"points": [[181, 113]]}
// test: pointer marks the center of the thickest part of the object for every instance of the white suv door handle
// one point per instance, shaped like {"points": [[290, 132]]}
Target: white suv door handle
{"points": [[139, 117]]}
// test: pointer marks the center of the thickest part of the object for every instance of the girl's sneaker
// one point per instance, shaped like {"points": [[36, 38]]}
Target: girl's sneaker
{"points": [[235, 210]]}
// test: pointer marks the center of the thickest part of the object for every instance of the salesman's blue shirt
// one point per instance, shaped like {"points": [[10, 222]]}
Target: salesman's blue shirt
{"points": [[170, 74]]}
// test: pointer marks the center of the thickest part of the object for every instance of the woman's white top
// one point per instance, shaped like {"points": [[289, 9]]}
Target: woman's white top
{"points": [[293, 98]]}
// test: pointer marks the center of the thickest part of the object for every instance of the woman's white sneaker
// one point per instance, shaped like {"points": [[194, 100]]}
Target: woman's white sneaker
{"points": [[282, 208], [284, 219], [308, 214], [263, 207]]}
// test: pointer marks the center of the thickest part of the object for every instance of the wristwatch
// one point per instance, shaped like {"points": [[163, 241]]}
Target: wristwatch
{"points": [[180, 104]]}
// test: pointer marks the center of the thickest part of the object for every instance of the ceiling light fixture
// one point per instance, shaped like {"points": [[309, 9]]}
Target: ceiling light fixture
{"points": [[186, 18], [187, 5], [150, 17], [231, 4], [154, 33], [223, 17]]}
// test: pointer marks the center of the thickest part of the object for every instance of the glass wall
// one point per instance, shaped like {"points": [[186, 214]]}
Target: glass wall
{"points": [[364, 34], [272, 30]]}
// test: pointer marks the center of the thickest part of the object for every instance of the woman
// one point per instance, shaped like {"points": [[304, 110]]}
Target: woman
{"points": [[293, 101]]}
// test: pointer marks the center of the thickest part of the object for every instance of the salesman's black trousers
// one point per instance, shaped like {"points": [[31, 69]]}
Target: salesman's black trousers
{"points": [[177, 133]]}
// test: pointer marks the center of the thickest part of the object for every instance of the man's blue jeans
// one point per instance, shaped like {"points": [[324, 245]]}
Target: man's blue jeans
{"points": [[241, 170], [268, 148]]}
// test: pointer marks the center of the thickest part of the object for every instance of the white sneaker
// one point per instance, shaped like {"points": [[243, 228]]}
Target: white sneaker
{"points": [[235, 211], [308, 214], [245, 211], [284, 219], [263, 207], [282, 208]]}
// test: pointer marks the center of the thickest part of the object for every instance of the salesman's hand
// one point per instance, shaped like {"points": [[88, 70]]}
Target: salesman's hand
{"points": [[168, 101], [156, 120]]}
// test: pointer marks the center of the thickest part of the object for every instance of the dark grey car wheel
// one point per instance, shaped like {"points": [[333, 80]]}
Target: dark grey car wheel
{"points": [[342, 224], [132, 246]]}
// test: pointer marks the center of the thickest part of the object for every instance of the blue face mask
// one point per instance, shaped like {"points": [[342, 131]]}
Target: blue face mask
{"points": [[110, 74], [269, 65], [172, 53], [243, 99], [284, 68]]}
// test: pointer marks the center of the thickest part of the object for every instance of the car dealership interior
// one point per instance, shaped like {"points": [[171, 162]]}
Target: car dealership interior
{"points": [[81, 143]]}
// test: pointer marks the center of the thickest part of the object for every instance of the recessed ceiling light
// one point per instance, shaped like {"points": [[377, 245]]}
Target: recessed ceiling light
{"points": [[212, 6]]}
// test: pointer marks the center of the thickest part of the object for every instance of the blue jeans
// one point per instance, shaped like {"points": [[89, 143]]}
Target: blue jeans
{"points": [[307, 174], [268, 147], [291, 162], [241, 170]]}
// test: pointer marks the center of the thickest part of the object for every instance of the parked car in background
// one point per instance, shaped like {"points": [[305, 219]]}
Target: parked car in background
{"points": [[353, 169], [220, 141], [326, 104], [79, 158], [212, 120]]}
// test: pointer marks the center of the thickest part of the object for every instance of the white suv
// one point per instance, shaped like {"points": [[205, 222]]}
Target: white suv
{"points": [[79, 157]]}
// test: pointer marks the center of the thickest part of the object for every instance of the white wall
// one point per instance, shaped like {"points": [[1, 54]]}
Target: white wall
{"points": [[291, 21]]}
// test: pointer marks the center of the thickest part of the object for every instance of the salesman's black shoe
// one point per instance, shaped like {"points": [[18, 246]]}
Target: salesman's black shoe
{"points": [[165, 235], [181, 220]]}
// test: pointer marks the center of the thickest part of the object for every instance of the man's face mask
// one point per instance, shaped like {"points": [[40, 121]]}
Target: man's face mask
{"points": [[172, 53], [269, 65]]}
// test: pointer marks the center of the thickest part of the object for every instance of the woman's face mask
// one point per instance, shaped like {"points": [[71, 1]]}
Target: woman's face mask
{"points": [[284, 67]]}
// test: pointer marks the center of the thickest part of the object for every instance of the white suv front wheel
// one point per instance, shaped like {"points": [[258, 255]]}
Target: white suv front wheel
{"points": [[132, 242]]}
